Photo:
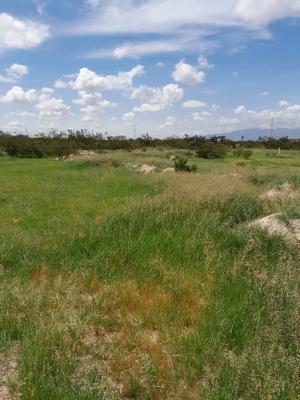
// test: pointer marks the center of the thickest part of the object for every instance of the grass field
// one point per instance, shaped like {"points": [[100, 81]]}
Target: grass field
{"points": [[120, 285]]}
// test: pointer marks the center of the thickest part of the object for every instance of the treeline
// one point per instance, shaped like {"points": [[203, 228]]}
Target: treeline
{"points": [[63, 143]]}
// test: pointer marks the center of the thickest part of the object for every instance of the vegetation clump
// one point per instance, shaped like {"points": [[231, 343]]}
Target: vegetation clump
{"points": [[210, 150], [242, 152], [181, 165]]}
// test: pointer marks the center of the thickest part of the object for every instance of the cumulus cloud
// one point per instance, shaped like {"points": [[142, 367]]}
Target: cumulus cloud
{"points": [[155, 99], [89, 81], [170, 121], [91, 104], [186, 73], [201, 116], [52, 107], [21, 34], [89, 86], [17, 95], [286, 116], [193, 104], [284, 103], [264, 94], [239, 109], [14, 73], [128, 117], [46, 105]]}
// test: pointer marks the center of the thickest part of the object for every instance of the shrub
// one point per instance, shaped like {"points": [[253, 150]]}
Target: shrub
{"points": [[182, 165], [242, 152], [24, 150], [212, 150]]}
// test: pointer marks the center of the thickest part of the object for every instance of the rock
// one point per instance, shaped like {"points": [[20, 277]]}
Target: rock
{"points": [[169, 170], [147, 169]]}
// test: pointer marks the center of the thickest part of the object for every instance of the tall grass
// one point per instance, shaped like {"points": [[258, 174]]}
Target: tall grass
{"points": [[117, 285]]}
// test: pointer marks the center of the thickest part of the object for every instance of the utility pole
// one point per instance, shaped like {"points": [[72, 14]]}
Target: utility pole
{"points": [[134, 131], [272, 127]]}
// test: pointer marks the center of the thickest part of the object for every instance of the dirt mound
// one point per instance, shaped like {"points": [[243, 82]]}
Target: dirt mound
{"points": [[284, 191], [273, 225]]}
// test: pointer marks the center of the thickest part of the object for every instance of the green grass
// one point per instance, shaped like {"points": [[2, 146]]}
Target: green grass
{"points": [[115, 284]]}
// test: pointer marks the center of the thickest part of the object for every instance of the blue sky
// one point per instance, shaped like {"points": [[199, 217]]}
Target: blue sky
{"points": [[163, 66]]}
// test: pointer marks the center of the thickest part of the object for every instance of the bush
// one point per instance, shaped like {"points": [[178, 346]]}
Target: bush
{"points": [[212, 150], [24, 150], [242, 152], [182, 165]]}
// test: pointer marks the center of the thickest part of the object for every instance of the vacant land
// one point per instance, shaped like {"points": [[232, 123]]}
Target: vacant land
{"points": [[115, 284]]}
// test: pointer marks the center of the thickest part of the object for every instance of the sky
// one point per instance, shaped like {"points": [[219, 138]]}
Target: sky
{"points": [[163, 67]]}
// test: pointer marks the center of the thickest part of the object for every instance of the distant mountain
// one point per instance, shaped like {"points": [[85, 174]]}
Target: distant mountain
{"points": [[254, 133]]}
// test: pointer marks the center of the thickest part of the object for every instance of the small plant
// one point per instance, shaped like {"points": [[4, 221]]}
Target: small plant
{"points": [[212, 150], [182, 165]]}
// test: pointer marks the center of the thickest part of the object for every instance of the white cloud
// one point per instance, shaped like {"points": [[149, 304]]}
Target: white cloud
{"points": [[47, 90], [264, 94], [20, 114], [46, 105], [14, 73], [160, 64], [187, 74], [6, 79], [92, 3], [17, 95], [267, 11], [203, 63], [40, 6], [215, 107], [170, 20], [170, 121], [92, 104], [284, 103], [51, 107], [193, 104], [165, 16], [89, 86], [287, 116], [15, 125], [156, 99], [239, 109], [128, 117], [170, 44], [21, 34], [89, 81], [59, 84], [201, 116]]}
